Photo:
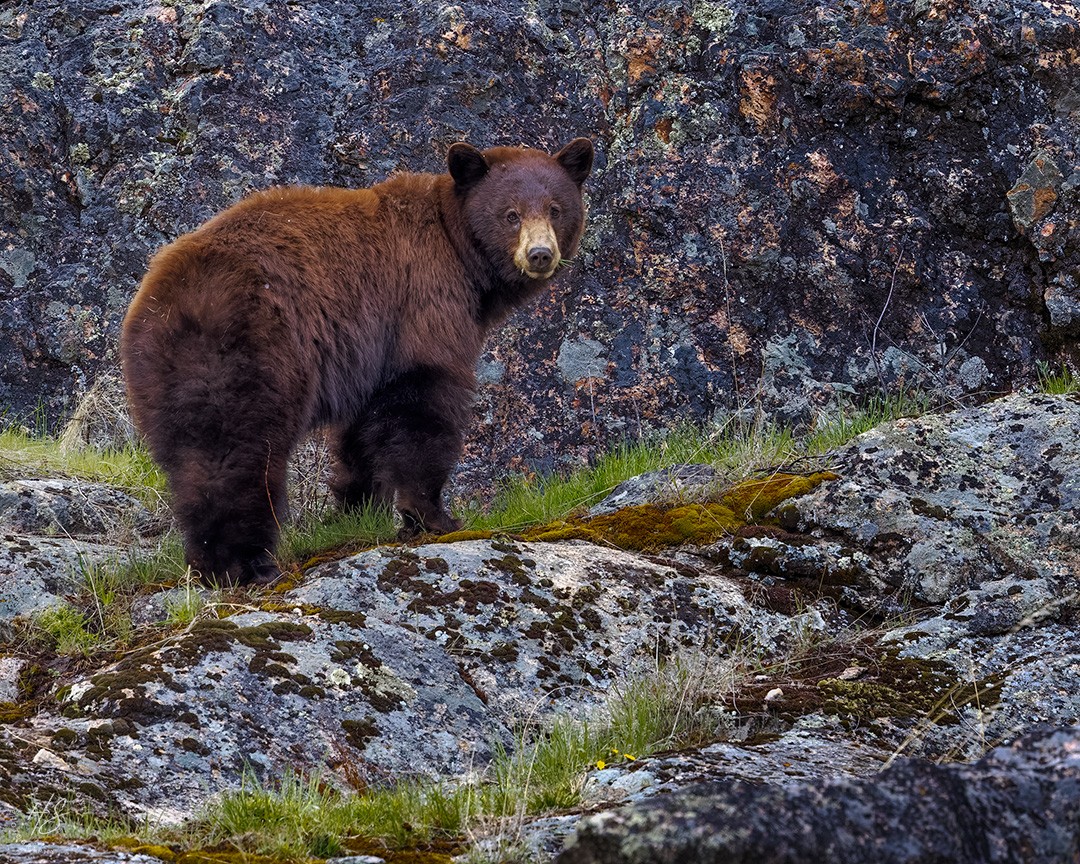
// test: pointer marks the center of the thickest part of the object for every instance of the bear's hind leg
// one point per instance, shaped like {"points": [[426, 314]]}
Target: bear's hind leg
{"points": [[230, 510]]}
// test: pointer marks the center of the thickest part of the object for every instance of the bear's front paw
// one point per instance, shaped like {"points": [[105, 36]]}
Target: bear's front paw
{"points": [[413, 527]]}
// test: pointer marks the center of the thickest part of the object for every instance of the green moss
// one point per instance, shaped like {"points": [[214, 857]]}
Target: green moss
{"points": [[286, 631], [516, 568], [12, 712], [154, 851], [459, 536], [906, 687], [65, 739], [650, 527]]}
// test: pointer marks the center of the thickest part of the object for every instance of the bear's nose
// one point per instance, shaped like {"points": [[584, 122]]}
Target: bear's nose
{"points": [[540, 259]]}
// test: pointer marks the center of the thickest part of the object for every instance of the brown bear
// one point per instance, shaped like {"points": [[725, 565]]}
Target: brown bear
{"points": [[362, 311]]}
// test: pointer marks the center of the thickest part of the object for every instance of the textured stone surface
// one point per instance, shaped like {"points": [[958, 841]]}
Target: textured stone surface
{"points": [[11, 668], [951, 502], [799, 199], [526, 618], [68, 853], [36, 572], [390, 663], [825, 647], [70, 508], [1020, 803]]}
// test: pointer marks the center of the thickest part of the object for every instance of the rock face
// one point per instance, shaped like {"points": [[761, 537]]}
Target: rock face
{"points": [[1018, 804], [393, 662], [950, 502], [913, 615], [798, 199]]}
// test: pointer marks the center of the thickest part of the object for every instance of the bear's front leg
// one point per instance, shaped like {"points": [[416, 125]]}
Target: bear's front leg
{"points": [[352, 477], [230, 507], [410, 438]]}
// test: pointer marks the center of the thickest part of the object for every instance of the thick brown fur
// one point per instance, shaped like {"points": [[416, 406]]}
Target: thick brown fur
{"points": [[363, 311]]}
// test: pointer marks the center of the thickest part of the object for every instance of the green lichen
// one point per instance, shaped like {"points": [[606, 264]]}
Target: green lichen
{"points": [[79, 154], [714, 17], [360, 732]]}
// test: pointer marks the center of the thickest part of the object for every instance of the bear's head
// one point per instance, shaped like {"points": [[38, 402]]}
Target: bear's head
{"points": [[523, 206]]}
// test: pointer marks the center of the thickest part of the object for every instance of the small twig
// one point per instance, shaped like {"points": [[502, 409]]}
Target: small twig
{"points": [[877, 324], [727, 312]]}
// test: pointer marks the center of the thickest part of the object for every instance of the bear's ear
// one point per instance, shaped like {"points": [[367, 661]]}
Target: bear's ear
{"points": [[467, 164], [577, 158]]}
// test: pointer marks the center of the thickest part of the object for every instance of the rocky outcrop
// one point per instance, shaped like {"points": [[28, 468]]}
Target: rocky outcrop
{"points": [[914, 614], [794, 201], [392, 662], [1018, 804]]}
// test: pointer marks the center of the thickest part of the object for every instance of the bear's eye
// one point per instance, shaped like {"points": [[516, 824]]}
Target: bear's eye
{"points": [[512, 217], [556, 211]]}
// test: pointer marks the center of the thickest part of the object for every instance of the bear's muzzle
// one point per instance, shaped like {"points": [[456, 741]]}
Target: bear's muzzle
{"points": [[537, 254]]}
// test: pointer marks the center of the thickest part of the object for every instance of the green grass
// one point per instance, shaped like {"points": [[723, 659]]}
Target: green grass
{"points": [[67, 630], [737, 449], [836, 430], [1058, 383], [23, 455], [97, 615], [300, 816], [317, 532]]}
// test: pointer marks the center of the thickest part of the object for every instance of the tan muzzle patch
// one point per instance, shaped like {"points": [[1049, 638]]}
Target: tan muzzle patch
{"points": [[537, 253]]}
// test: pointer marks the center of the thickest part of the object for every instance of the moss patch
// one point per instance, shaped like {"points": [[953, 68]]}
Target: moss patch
{"points": [[907, 687], [12, 712], [459, 536], [650, 527], [863, 683]]}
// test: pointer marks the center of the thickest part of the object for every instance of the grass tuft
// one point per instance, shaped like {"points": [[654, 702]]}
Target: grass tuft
{"points": [[738, 450], [1061, 382], [66, 630], [319, 531], [130, 468]]}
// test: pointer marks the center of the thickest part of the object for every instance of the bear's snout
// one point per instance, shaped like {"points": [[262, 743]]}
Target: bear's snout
{"points": [[539, 259], [537, 252]]}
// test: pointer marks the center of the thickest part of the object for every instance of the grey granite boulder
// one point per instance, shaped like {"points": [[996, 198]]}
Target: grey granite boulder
{"points": [[38, 572], [949, 502], [387, 664], [71, 508], [1019, 804]]}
